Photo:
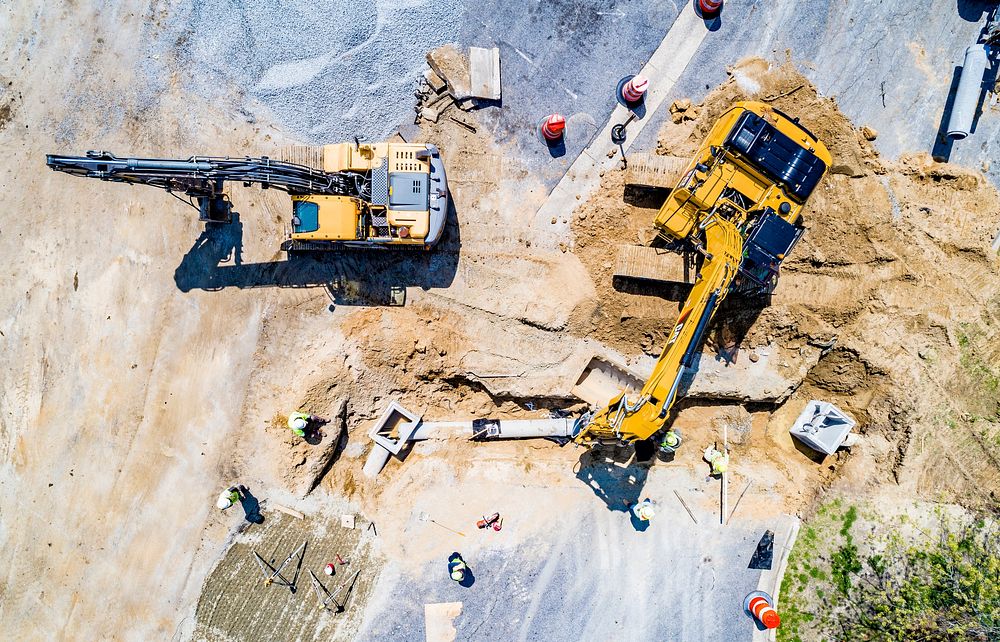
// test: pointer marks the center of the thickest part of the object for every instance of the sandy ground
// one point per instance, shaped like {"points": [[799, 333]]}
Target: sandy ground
{"points": [[145, 360]]}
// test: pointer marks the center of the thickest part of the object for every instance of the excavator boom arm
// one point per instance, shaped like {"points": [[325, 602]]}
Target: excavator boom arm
{"points": [[625, 420], [203, 177]]}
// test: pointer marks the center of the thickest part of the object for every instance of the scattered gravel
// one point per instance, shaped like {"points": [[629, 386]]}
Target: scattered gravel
{"points": [[325, 70]]}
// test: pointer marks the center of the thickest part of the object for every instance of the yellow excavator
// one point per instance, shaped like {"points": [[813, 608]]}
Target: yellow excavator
{"points": [[379, 195], [738, 204]]}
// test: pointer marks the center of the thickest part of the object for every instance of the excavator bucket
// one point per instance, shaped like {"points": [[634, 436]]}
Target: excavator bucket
{"points": [[603, 379]]}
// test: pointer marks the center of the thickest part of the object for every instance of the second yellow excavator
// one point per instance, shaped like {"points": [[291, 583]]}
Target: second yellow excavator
{"points": [[739, 205]]}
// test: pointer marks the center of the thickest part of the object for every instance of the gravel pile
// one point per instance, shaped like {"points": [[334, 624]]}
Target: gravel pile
{"points": [[325, 70]]}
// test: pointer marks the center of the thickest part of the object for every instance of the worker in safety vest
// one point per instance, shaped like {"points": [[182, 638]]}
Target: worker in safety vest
{"points": [[671, 442], [229, 497], [298, 422], [644, 510], [456, 567], [718, 460]]}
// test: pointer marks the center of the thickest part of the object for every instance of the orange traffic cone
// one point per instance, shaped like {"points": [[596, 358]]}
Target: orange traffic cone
{"points": [[553, 127], [761, 606], [710, 7], [635, 89]]}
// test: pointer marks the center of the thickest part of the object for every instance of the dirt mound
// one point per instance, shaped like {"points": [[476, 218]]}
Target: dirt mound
{"points": [[894, 281]]}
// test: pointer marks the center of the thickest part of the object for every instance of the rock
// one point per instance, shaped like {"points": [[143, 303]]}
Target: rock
{"points": [[448, 63], [435, 81], [870, 133]]}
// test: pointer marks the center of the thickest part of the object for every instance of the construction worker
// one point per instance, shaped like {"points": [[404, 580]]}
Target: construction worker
{"points": [[644, 510], [298, 422], [229, 497], [456, 567], [671, 442], [718, 460]]}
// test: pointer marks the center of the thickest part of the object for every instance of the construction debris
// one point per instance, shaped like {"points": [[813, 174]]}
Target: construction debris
{"points": [[450, 65], [464, 124], [451, 81]]}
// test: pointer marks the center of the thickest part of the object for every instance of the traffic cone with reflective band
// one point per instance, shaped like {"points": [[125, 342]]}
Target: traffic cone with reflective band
{"points": [[761, 606], [710, 7], [553, 127], [635, 89]]}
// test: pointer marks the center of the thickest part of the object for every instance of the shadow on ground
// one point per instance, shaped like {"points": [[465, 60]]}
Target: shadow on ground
{"points": [[613, 476], [350, 277]]}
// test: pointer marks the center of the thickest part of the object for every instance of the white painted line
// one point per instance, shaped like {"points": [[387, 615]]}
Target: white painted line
{"points": [[663, 69]]}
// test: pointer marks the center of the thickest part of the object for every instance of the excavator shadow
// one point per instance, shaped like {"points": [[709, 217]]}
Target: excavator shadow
{"points": [[614, 475], [351, 277], [733, 322]]}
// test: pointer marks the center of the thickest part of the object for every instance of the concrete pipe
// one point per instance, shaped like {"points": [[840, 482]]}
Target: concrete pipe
{"points": [[489, 429], [376, 461], [970, 88]]}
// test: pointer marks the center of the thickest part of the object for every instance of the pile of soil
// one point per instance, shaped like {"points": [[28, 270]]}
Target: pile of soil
{"points": [[894, 279]]}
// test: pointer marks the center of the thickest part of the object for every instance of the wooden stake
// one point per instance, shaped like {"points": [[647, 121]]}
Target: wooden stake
{"points": [[684, 504], [725, 475], [288, 511], [738, 500]]}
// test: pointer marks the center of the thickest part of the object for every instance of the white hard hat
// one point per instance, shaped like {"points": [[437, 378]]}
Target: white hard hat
{"points": [[299, 423], [224, 502]]}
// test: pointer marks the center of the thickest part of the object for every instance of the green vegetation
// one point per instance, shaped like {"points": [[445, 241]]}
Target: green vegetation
{"points": [[980, 373], [941, 585]]}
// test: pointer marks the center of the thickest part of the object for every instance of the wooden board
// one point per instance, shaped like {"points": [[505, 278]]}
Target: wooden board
{"points": [[484, 72], [653, 264]]}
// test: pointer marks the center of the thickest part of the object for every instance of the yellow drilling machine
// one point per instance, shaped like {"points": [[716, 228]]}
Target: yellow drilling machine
{"points": [[380, 195], [738, 206]]}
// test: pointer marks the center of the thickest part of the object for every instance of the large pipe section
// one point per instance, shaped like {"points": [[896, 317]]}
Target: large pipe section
{"points": [[409, 427], [970, 88], [491, 429]]}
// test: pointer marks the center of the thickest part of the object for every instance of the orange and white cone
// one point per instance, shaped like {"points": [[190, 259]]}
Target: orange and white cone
{"points": [[761, 606], [328, 569], [635, 89], [553, 127], [710, 7]]}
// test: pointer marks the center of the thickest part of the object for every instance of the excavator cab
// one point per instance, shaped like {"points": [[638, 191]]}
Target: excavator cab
{"points": [[738, 204], [403, 199]]}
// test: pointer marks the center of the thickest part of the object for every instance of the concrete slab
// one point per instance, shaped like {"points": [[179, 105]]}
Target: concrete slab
{"points": [[484, 72], [439, 621]]}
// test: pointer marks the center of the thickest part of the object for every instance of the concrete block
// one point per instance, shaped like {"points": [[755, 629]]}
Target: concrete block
{"points": [[822, 426], [435, 81], [484, 72], [448, 63]]}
